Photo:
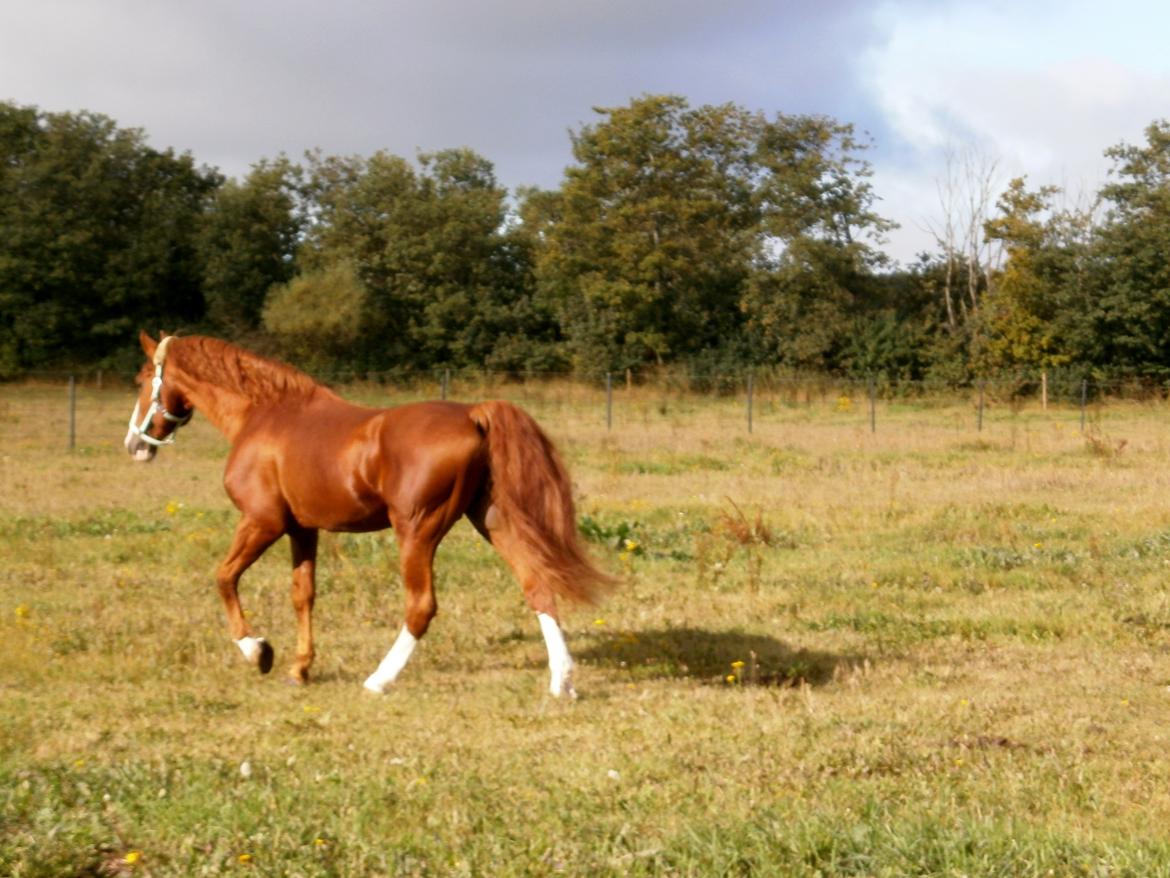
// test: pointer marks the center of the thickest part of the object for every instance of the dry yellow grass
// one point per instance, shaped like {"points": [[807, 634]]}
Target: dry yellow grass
{"points": [[955, 654]]}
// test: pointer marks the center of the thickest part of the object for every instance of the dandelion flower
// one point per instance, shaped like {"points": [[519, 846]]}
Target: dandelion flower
{"points": [[731, 678], [320, 843], [21, 611], [244, 859], [598, 621], [737, 665], [132, 857]]}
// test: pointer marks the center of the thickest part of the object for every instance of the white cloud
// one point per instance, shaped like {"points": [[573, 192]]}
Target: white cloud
{"points": [[1045, 85], [1044, 89]]}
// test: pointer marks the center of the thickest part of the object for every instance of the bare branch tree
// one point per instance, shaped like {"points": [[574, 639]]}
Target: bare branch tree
{"points": [[966, 196]]}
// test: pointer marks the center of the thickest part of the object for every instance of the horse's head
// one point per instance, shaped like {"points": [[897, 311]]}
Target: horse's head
{"points": [[161, 407]]}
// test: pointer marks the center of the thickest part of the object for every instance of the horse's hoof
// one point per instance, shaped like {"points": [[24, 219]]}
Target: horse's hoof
{"points": [[372, 685], [265, 659], [567, 692]]}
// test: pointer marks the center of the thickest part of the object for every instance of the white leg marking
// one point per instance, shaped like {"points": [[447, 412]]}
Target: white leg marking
{"points": [[392, 665], [560, 665], [250, 647]]}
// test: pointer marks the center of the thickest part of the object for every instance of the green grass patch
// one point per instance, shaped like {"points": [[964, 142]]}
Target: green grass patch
{"points": [[922, 651]]}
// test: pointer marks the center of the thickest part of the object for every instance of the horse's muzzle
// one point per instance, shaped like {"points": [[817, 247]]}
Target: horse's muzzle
{"points": [[142, 452]]}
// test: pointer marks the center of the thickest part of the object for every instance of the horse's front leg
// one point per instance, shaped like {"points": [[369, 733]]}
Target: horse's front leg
{"points": [[304, 559], [252, 537], [416, 556]]}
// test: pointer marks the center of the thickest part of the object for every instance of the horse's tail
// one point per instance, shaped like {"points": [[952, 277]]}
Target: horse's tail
{"points": [[532, 492]]}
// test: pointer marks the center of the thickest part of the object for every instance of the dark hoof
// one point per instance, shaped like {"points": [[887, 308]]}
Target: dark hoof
{"points": [[267, 656]]}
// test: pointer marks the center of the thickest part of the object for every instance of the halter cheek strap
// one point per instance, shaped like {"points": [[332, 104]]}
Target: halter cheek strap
{"points": [[139, 427]]}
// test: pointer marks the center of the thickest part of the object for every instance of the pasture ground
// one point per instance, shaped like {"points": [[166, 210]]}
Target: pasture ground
{"points": [[925, 651]]}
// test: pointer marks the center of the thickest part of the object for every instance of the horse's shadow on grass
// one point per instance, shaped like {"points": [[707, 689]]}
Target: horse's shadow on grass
{"points": [[715, 657]]}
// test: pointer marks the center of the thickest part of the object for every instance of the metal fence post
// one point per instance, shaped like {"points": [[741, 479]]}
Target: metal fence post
{"points": [[750, 388], [872, 405], [609, 400], [72, 412]]}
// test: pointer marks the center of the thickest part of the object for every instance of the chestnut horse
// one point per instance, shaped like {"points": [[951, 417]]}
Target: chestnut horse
{"points": [[304, 460]]}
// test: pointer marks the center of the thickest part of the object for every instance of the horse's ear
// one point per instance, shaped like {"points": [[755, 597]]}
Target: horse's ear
{"points": [[148, 343]]}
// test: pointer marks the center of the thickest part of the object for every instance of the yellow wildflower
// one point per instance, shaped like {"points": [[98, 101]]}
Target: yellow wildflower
{"points": [[244, 859], [737, 665], [132, 857]]}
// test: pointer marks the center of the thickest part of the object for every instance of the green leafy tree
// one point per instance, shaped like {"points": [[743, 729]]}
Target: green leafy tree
{"points": [[444, 278], [645, 245], [682, 231], [815, 270], [1127, 311], [1018, 321], [248, 240], [97, 237], [316, 316]]}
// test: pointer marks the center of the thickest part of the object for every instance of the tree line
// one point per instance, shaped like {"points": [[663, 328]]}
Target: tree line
{"points": [[710, 238]]}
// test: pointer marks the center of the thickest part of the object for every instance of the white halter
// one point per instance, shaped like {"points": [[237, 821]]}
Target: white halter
{"points": [[139, 427]]}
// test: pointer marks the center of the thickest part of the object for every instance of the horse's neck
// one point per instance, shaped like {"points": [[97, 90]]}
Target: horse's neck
{"points": [[226, 409]]}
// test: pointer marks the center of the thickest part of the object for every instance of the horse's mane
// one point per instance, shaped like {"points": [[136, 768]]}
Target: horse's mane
{"points": [[235, 369]]}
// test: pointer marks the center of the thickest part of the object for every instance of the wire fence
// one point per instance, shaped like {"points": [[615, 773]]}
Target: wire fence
{"points": [[739, 402], [1059, 386]]}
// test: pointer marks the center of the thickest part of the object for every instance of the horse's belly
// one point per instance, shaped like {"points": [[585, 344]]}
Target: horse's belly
{"points": [[376, 521], [330, 508]]}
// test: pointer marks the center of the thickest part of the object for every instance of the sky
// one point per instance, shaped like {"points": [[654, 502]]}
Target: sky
{"points": [[1032, 87]]}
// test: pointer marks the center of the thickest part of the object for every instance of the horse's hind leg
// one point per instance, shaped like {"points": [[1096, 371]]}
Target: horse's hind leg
{"points": [[304, 559], [539, 596], [416, 560], [252, 537]]}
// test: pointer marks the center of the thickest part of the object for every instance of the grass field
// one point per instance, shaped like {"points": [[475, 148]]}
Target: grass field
{"points": [[921, 651]]}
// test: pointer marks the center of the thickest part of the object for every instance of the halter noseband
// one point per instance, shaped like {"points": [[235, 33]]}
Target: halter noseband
{"points": [[139, 428]]}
